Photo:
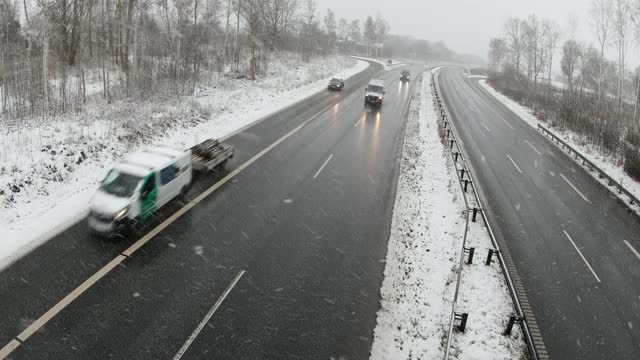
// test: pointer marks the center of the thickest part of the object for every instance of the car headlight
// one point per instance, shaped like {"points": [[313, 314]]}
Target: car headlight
{"points": [[120, 214]]}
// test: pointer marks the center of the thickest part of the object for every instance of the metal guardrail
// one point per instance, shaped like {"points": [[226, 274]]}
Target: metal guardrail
{"points": [[589, 165], [459, 159]]}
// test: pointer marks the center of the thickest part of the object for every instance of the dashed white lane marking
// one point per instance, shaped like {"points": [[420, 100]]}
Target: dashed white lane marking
{"points": [[582, 256], [40, 322], [322, 167], [514, 164], [359, 121], [635, 252], [5, 351], [575, 188], [485, 126], [533, 147], [207, 317]]}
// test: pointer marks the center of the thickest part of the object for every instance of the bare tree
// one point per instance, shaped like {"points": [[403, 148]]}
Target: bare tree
{"points": [[601, 16], [497, 53], [534, 33], [343, 29], [514, 33], [382, 28], [331, 28], [571, 53], [369, 33], [277, 15], [309, 25], [355, 34], [550, 42], [621, 24]]}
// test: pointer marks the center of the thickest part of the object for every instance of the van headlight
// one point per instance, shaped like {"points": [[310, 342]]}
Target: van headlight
{"points": [[120, 214]]}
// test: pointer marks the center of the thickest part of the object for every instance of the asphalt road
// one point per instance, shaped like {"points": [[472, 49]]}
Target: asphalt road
{"points": [[284, 260], [570, 238]]}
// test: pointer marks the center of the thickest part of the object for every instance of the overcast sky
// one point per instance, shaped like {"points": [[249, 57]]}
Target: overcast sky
{"points": [[465, 25]]}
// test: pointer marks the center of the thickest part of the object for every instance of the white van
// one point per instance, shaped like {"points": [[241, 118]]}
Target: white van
{"points": [[374, 92], [137, 187]]}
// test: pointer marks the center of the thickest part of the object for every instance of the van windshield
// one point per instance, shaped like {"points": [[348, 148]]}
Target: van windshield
{"points": [[120, 184], [375, 89]]}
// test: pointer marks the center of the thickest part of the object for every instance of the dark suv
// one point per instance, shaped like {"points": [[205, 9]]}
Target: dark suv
{"points": [[405, 75], [335, 84]]}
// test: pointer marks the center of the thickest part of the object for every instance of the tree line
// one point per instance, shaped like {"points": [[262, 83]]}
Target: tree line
{"points": [[50, 49], [598, 97]]}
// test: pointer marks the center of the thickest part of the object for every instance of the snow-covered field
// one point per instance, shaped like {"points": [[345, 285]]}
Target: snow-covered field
{"points": [[49, 168], [423, 254], [605, 162]]}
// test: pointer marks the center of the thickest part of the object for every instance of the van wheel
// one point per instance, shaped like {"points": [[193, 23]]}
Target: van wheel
{"points": [[185, 189]]}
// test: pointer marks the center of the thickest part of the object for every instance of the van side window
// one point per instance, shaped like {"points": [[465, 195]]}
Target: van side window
{"points": [[167, 174]]}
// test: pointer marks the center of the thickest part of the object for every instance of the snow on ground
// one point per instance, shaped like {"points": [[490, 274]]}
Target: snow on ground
{"points": [[476, 76], [484, 295], [383, 62], [51, 167], [423, 254], [605, 162], [424, 246]]}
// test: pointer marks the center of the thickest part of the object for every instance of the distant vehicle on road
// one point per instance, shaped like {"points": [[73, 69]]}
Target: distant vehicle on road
{"points": [[136, 187], [389, 62], [335, 84], [405, 75], [374, 92]]}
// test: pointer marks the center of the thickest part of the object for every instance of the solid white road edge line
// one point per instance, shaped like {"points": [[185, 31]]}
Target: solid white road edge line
{"points": [[36, 325], [582, 256], [575, 188], [632, 249], [533, 147], [322, 167], [207, 317], [514, 164], [485, 126]]}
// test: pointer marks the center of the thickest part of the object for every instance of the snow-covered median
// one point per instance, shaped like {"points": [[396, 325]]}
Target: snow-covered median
{"points": [[51, 167], [605, 162], [423, 255]]}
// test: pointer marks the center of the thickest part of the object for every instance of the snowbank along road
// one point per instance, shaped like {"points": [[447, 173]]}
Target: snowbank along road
{"points": [[574, 244], [279, 256]]}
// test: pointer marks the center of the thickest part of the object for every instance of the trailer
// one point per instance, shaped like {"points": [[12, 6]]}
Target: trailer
{"points": [[209, 154]]}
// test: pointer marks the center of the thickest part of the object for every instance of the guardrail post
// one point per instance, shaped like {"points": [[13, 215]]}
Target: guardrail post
{"points": [[448, 133], [462, 174], [475, 213], [466, 184], [462, 317], [443, 117], [512, 320], [455, 156], [490, 256], [471, 251], [452, 141]]}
